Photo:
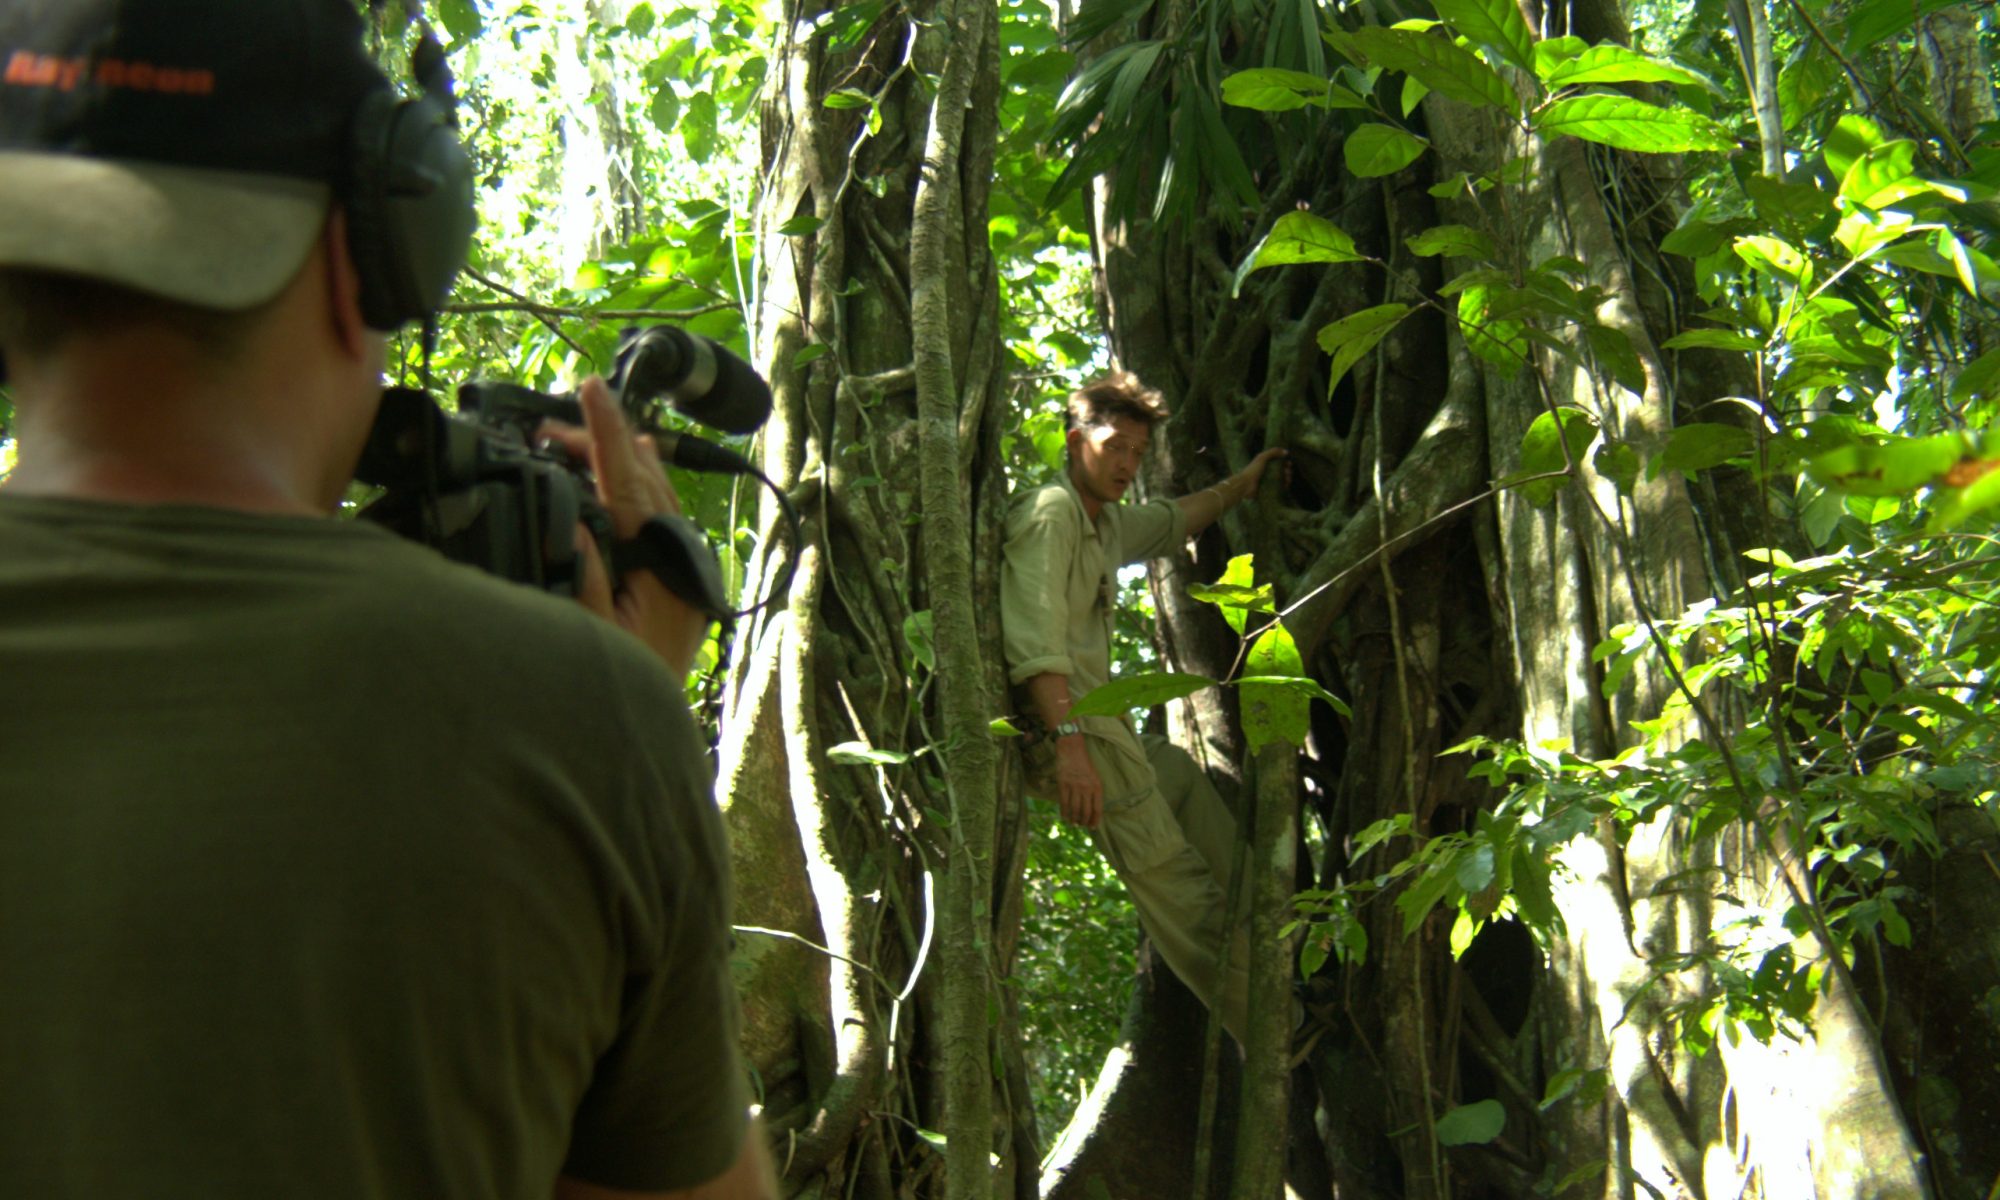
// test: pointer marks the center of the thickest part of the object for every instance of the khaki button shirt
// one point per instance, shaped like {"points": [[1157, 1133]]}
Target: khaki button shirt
{"points": [[1058, 583]]}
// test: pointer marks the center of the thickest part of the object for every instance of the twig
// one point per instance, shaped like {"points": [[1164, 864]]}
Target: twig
{"points": [[789, 936], [534, 308]]}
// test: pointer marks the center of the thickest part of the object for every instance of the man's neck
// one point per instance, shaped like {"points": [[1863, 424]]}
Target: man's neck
{"points": [[1091, 504], [132, 421]]}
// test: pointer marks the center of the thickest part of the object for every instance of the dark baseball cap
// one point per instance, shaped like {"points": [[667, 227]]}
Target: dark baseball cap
{"points": [[185, 148]]}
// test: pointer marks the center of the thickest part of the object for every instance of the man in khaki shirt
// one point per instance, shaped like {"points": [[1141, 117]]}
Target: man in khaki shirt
{"points": [[1154, 813]]}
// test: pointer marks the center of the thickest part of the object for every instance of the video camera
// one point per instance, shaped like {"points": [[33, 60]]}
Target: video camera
{"points": [[477, 487]]}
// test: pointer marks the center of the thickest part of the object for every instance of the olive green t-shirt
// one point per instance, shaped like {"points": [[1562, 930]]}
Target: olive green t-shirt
{"points": [[331, 869]]}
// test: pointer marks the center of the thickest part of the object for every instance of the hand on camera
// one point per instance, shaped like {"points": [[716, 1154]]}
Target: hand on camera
{"points": [[633, 488]]}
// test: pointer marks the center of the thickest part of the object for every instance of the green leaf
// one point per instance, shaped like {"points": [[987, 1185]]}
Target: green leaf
{"points": [[1615, 354], [1542, 451], [1628, 124], [801, 225], [1307, 687], [1586, 1083], [1234, 595], [1355, 335], [849, 98], [697, 126], [1711, 339], [1618, 462], [1096, 16], [1853, 136], [1885, 175], [918, 632], [1457, 241], [1274, 712], [1695, 239], [1532, 894], [1274, 89], [1003, 727], [1551, 53], [810, 353], [1120, 696], [462, 21], [1698, 446], [862, 754], [1774, 257], [1475, 869], [1976, 381], [1500, 342], [1471, 1124], [1298, 237], [1609, 63], [1494, 23], [1239, 576], [1893, 468], [1444, 67], [934, 1138]]}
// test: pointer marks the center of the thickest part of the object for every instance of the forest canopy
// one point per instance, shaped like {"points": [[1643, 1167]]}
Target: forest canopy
{"points": [[1606, 693]]}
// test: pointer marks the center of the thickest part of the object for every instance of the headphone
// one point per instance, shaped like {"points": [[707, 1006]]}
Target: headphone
{"points": [[408, 196]]}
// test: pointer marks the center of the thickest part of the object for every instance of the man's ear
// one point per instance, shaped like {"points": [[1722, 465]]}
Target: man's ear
{"points": [[343, 286], [1073, 440]]}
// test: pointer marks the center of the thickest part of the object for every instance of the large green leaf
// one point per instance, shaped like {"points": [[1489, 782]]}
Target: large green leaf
{"points": [[1629, 124], [1542, 451], [1096, 16], [1500, 342], [1355, 335], [1471, 1124], [1237, 593], [1377, 149], [1120, 696], [1455, 240], [1494, 23], [1274, 712], [1977, 380], [1895, 467], [1309, 688], [1710, 339], [1852, 136], [1442, 65], [1274, 89], [1610, 63], [1698, 446], [1885, 175], [1616, 356], [1298, 237]]}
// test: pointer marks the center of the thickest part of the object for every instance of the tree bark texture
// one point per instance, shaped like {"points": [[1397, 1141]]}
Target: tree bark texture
{"points": [[875, 834]]}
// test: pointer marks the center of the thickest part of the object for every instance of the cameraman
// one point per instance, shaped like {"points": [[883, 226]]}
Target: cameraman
{"points": [[327, 868]]}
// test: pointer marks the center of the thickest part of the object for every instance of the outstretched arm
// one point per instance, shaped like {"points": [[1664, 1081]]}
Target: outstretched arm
{"points": [[1204, 507]]}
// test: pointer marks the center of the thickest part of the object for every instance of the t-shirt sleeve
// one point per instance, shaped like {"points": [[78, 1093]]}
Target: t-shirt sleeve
{"points": [[1034, 586], [667, 1105], [1149, 530]]}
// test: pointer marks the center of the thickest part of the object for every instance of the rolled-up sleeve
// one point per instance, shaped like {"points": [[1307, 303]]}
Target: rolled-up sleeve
{"points": [[1149, 530], [1042, 535]]}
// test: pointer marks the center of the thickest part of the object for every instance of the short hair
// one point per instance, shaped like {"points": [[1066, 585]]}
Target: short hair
{"points": [[1119, 394], [41, 311]]}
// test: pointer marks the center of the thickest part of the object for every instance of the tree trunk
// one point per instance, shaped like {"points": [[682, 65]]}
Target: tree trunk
{"points": [[856, 759]]}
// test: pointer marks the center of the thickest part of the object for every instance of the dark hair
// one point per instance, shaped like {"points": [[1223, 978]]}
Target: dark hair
{"points": [[41, 311], [1119, 394]]}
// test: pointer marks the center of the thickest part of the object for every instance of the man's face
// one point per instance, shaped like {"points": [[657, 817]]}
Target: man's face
{"points": [[1104, 459]]}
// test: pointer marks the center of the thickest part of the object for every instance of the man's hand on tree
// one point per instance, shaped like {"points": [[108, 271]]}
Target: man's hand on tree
{"points": [[1253, 474], [1079, 792]]}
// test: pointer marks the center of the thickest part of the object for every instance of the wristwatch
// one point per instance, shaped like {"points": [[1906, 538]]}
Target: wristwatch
{"points": [[1066, 728]]}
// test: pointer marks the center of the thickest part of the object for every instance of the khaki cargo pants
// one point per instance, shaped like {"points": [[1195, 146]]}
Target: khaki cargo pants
{"points": [[1172, 840]]}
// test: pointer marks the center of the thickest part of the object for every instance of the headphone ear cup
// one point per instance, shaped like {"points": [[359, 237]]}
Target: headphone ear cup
{"points": [[409, 208]]}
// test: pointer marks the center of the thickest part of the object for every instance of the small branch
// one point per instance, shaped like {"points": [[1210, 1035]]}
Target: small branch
{"points": [[789, 936], [571, 312]]}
